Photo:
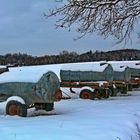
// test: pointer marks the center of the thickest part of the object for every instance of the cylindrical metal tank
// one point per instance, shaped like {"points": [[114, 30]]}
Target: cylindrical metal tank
{"points": [[33, 85], [121, 73], [86, 72]]}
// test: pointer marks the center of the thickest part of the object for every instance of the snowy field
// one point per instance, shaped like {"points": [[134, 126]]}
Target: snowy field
{"points": [[115, 118]]}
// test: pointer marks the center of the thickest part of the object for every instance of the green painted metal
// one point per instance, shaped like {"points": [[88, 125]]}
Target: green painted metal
{"points": [[87, 76], [122, 75], [40, 92], [135, 72]]}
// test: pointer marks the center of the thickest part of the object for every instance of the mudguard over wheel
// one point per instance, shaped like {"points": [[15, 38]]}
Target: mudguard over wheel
{"points": [[16, 108]]}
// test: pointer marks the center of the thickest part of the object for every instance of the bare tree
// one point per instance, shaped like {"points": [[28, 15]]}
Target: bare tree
{"points": [[115, 18]]}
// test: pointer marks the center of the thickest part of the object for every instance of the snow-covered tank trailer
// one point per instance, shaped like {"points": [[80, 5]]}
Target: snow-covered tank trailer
{"points": [[135, 74], [121, 79], [134, 69], [88, 76], [25, 87]]}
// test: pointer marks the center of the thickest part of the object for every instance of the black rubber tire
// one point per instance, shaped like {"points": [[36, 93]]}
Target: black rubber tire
{"points": [[97, 94], [108, 93], [113, 92], [105, 93], [85, 94], [130, 87], [16, 108], [124, 90], [49, 106], [92, 95]]}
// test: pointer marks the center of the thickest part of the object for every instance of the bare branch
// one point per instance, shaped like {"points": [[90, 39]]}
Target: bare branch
{"points": [[115, 18]]}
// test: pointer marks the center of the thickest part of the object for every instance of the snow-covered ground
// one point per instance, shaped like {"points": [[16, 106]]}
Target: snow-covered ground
{"points": [[115, 118]]}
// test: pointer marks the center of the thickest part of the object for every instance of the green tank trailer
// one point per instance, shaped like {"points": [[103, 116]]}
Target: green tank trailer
{"points": [[121, 79], [23, 88], [83, 72], [92, 78], [135, 75], [132, 73]]}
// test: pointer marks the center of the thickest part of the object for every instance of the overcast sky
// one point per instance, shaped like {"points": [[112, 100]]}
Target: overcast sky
{"points": [[24, 29]]}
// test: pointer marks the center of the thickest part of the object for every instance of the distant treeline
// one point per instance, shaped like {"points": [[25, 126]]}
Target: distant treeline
{"points": [[19, 59]]}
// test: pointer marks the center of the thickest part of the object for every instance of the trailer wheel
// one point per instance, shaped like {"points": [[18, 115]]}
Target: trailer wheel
{"points": [[123, 90], [97, 93], [16, 108], [49, 106], [105, 93], [113, 92], [108, 93], [85, 94]]}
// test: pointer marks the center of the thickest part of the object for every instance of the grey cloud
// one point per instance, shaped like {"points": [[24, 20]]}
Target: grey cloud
{"points": [[21, 19], [24, 29]]}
